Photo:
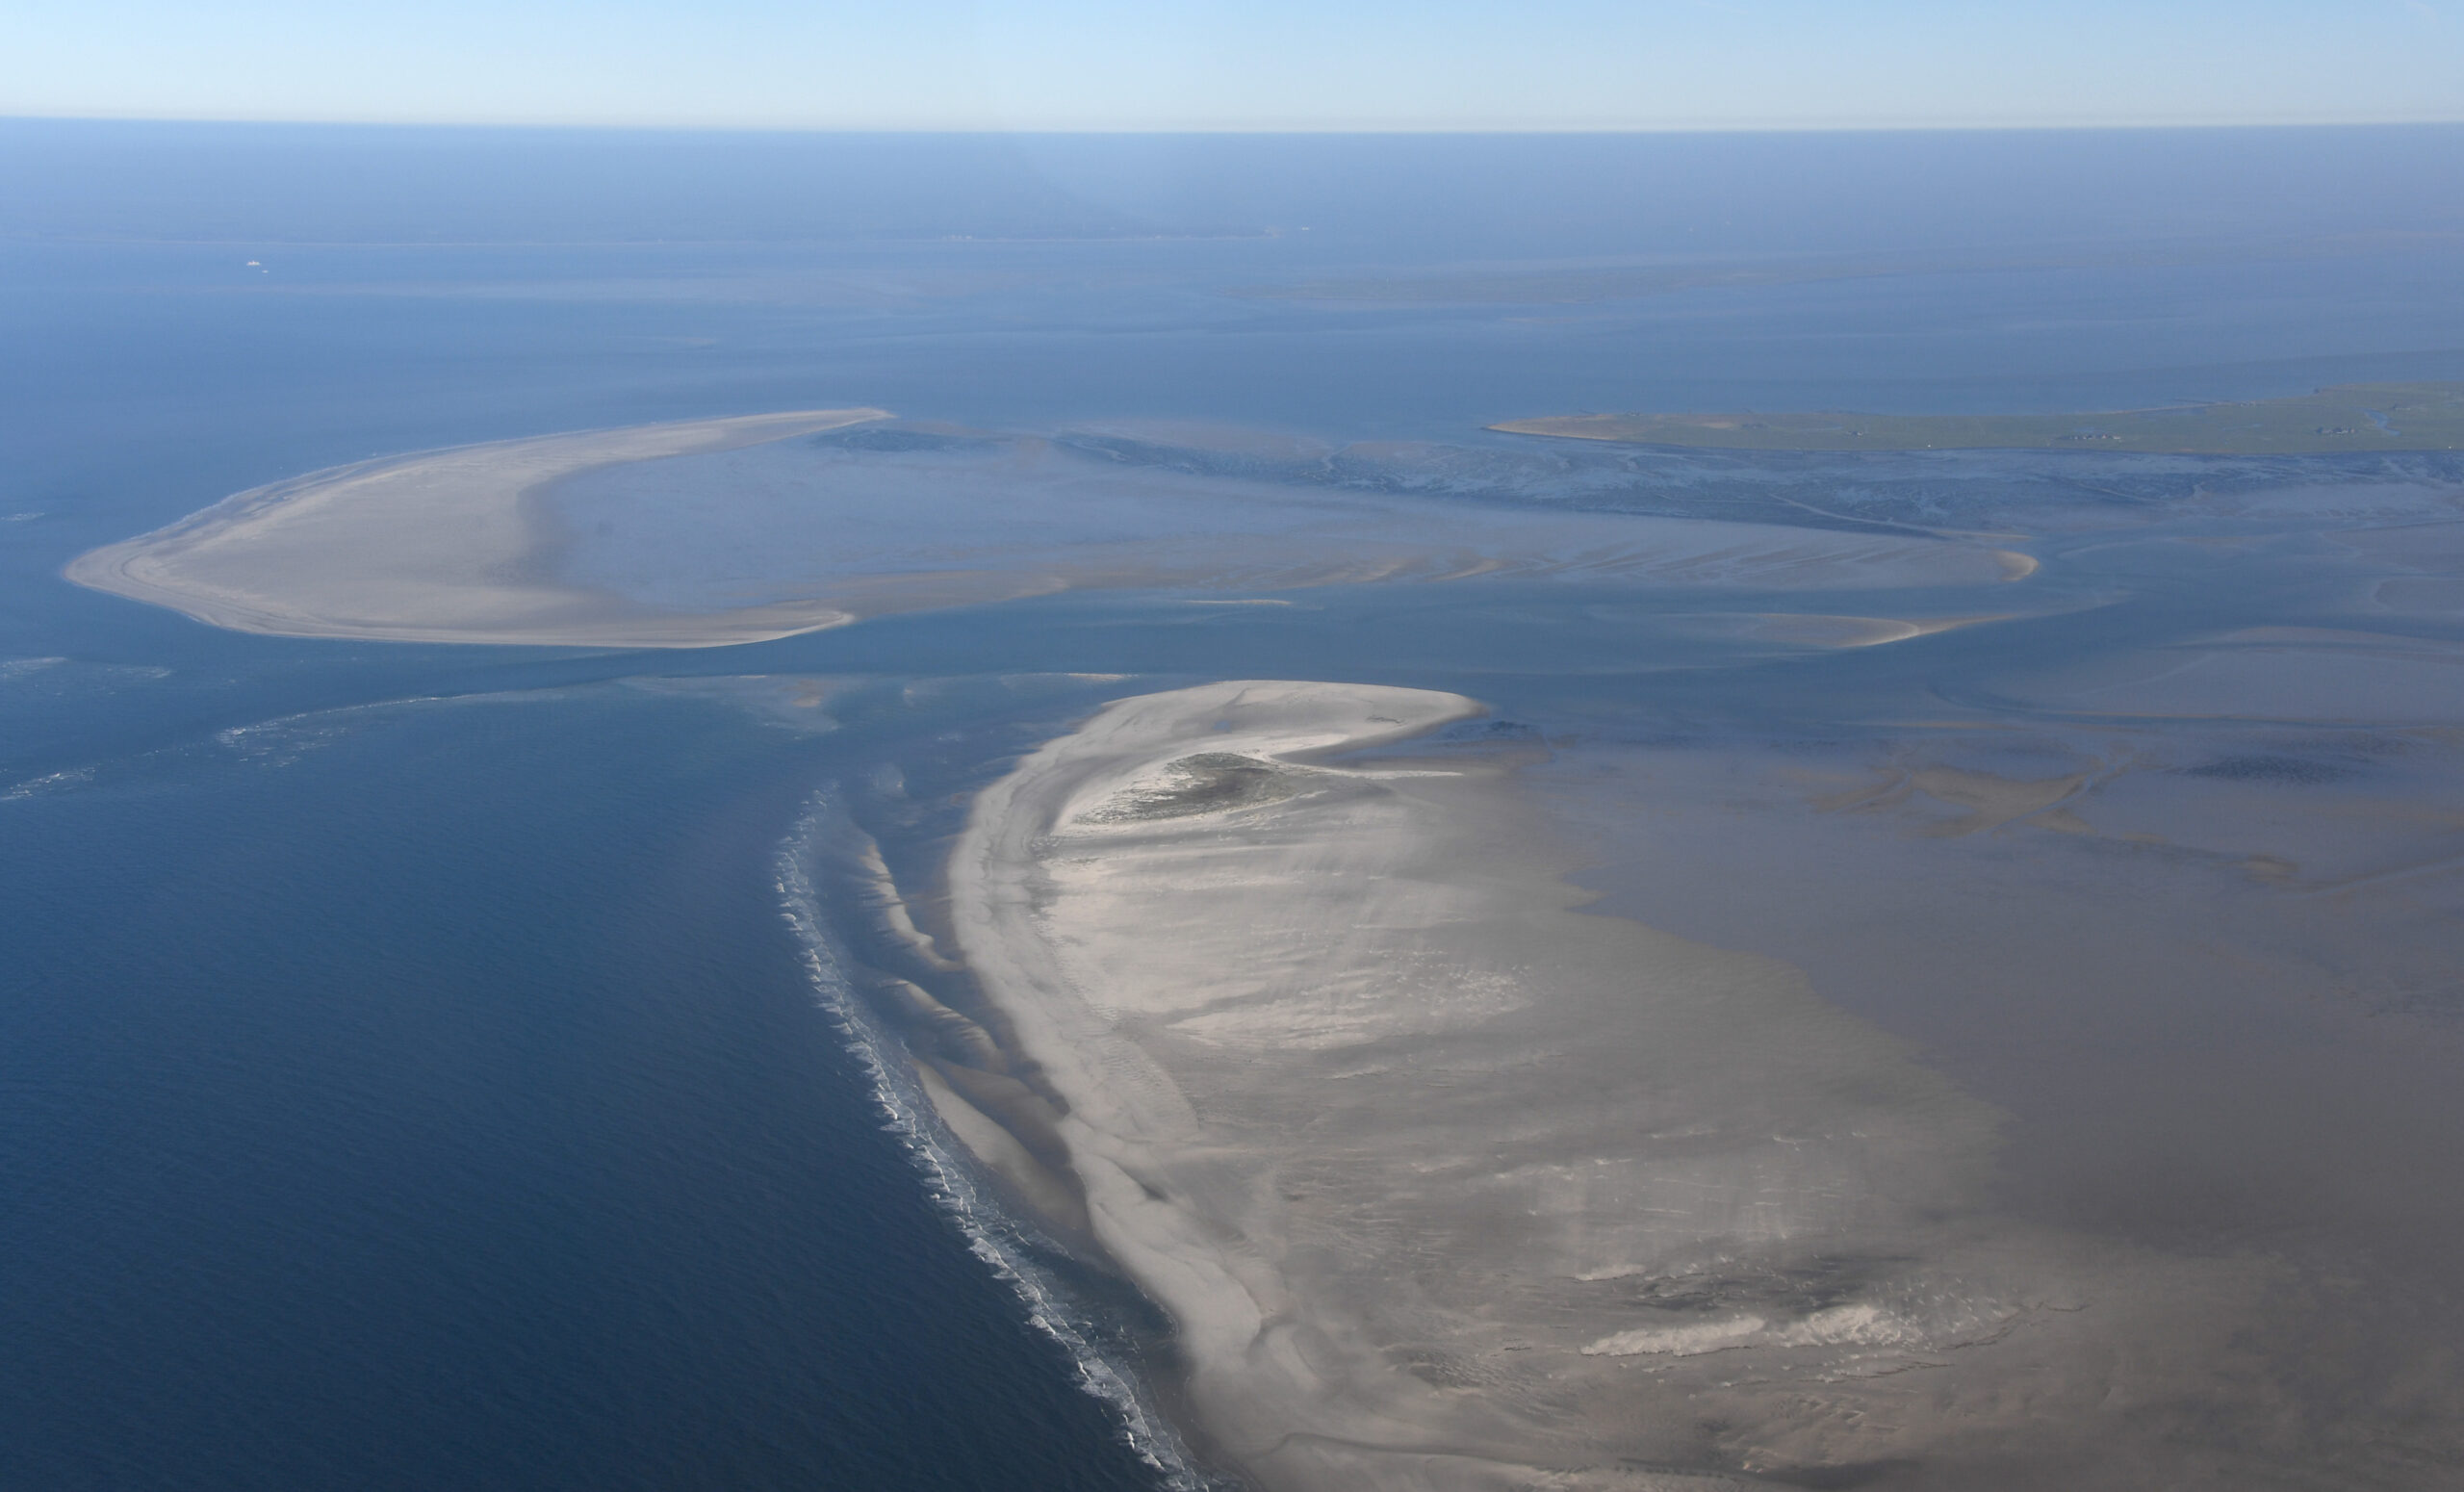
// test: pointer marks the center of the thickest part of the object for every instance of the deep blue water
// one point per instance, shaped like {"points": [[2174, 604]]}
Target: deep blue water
{"points": [[430, 1094]]}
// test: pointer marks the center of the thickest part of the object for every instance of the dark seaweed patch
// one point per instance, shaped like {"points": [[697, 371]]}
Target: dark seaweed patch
{"points": [[2269, 768]]}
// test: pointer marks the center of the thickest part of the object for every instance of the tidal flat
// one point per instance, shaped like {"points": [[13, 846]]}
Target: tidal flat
{"points": [[1931, 1049], [475, 1030], [715, 533], [1978, 1018], [1348, 1023], [1444, 1182]]}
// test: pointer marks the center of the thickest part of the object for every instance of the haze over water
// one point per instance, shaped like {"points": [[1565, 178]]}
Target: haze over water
{"points": [[410, 1079]]}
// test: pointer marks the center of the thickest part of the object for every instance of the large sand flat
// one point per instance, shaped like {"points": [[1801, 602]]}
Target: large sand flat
{"points": [[1448, 1184], [441, 546]]}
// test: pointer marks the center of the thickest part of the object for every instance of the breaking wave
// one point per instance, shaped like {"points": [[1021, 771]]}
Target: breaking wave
{"points": [[993, 1234]]}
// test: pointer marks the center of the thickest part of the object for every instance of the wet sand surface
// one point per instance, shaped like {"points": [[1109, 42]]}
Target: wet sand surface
{"points": [[1447, 1181], [1944, 1047]]}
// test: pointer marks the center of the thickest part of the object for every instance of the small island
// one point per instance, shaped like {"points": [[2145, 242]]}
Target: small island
{"points": [[2350, 417]]}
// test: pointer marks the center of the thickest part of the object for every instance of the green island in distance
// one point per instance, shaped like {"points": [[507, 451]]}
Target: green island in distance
{"points": [[2348, 417]]}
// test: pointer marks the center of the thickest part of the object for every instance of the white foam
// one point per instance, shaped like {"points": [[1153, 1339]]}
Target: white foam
{"points": [[993, 1234], [49, 781], [1710, 1336]]}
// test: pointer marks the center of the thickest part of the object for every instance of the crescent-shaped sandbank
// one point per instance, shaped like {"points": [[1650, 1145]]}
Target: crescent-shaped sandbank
{"points": [[438, 546]]}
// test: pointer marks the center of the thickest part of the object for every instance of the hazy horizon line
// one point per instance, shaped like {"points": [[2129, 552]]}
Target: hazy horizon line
{"points": [[1251, 128]]}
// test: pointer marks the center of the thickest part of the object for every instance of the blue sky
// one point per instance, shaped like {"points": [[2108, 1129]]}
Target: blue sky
{"points": [[1112, 64]]}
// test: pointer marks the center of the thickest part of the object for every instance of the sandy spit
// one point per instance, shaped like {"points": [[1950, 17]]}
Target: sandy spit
{"points": [[440, 545]]}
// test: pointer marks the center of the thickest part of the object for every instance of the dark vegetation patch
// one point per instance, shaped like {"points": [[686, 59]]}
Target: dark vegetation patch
{"points": [[2268, 767]]}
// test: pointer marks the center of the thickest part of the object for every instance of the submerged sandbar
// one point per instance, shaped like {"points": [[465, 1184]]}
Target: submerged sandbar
{"points": [[2348, 417]]}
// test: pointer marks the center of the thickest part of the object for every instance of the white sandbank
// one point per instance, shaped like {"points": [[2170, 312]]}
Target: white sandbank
{"points": [[1448, 1184], [441, 546]]}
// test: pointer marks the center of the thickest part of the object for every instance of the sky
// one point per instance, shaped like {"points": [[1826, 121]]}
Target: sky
{"points": [[1241, 64]]}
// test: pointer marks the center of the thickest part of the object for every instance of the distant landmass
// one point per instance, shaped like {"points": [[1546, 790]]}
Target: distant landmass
{"points": [[1586, 284], [2347, 417]]}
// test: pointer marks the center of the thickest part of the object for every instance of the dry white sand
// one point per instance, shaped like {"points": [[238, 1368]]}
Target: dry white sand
{"points": [[442, 546], [1448, 1184]]}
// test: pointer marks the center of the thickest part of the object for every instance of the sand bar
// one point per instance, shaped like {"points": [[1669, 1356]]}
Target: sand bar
{"points": [[440, 545], [1446, 1183]]}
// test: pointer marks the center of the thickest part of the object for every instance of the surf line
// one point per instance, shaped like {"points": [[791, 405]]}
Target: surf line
{"points": [[951, 1179]]}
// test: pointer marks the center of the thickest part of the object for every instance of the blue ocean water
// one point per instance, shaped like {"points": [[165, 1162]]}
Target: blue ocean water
{"points": [[407, 1077]]}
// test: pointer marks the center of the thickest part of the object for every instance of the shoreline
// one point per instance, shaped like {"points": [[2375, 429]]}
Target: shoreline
{"points": [[997, 1231]]}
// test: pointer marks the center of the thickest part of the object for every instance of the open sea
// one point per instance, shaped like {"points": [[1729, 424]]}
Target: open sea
{"points": [[419, 1065]]}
